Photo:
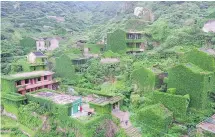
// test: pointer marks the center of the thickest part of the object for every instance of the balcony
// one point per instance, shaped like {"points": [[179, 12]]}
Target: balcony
{"points": [[38, 84]]}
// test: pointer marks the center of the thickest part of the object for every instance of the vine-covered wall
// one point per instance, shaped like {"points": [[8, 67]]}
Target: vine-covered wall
{"points": [[201, 59], [144, 78], [64, 67], [176, 103], [7, 86], [116, 41], [101, 109], [190, 79], [154, 120]]}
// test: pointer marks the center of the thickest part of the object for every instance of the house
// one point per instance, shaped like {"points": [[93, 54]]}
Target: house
{"points": [[190, 79], [23, 83], [129, 42], [37, 60], [47, 44], [106, 104], [67, 105]]}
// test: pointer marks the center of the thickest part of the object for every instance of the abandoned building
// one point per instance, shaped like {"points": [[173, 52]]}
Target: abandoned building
{"points": [[65, 103], [47, 44], [106, 104], [28, 82], [130, 42], [37, 60]]}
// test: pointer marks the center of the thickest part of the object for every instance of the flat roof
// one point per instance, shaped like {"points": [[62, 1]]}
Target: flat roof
{"points": [[208, 124], [25, 75], [58, 98], [105, 101], [208, 51]]}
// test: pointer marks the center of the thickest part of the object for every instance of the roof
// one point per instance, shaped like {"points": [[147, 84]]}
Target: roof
{"points": [[208, 51], [58, 98], [193, 68], [109, 60], [38, 54], [102, 101], [208, 124], [25, 75]]}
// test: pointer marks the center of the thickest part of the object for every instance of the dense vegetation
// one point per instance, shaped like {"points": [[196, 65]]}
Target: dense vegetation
{"points": [[173, 30]]}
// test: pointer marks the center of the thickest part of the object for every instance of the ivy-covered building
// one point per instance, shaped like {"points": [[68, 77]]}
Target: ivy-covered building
{"points": [[190, 79], [37, 61], [154, 120], [126, 42], [106, 104], [65, 104]]}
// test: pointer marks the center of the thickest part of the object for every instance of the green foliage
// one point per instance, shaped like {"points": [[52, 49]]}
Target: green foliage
{"points": [[159, 30], [28, 118], [101, 109], [176, 103], [154, 119], [94, 48], [64, 68], [189, 79], [144, 78], [116, 41], [171, 91], [201, 59], [110, 54], [28, 44]]}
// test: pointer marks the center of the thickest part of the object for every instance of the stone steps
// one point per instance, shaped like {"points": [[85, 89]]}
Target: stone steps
{"points": [[132, 132]]}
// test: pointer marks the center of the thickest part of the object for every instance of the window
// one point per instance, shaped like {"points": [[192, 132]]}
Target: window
{"points": [[45, 78], [46, 86], [34, 68], [209, 79], [137, 45], [26, 81], [38, 79], [18, 83]]}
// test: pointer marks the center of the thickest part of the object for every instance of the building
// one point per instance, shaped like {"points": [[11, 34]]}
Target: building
{"points": [[27, 82], [129, 42], [47, 44], [67, 105], [106, 104], [207, 125], [37, 60], [190, 79]]}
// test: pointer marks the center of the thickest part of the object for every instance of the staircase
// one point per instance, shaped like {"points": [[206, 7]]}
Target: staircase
{"points": [[132, 132]]}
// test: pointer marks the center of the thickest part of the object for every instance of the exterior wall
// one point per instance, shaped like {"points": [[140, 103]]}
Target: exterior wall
{"points": [[187, 82], [54, 43], [119, 40], [102, 109], [8, 86], [34, 84], [31, 58], [40, 44]]}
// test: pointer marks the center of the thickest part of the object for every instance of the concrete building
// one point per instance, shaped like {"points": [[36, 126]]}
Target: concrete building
{"points": [[47, 44], [28, 81]]}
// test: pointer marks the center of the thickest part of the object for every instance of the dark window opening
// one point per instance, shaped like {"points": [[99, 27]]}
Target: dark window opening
{"points": [[46, 86], [26, 81], [34, 68], [137, 45], [45, 78], [28, 91], [209, 79], [18, 82], [38, 79]]}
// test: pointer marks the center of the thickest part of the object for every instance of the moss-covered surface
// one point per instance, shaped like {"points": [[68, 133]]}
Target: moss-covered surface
{"points": [[144, 78], [192, 80], [176, 103], [154, 120]]}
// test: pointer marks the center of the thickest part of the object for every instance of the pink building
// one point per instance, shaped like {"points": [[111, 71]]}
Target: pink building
{"points": [[31, 81]]}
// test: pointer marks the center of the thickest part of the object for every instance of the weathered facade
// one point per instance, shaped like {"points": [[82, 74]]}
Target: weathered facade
{"points": [[28, 81], [47, 44], [129, 42]]}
